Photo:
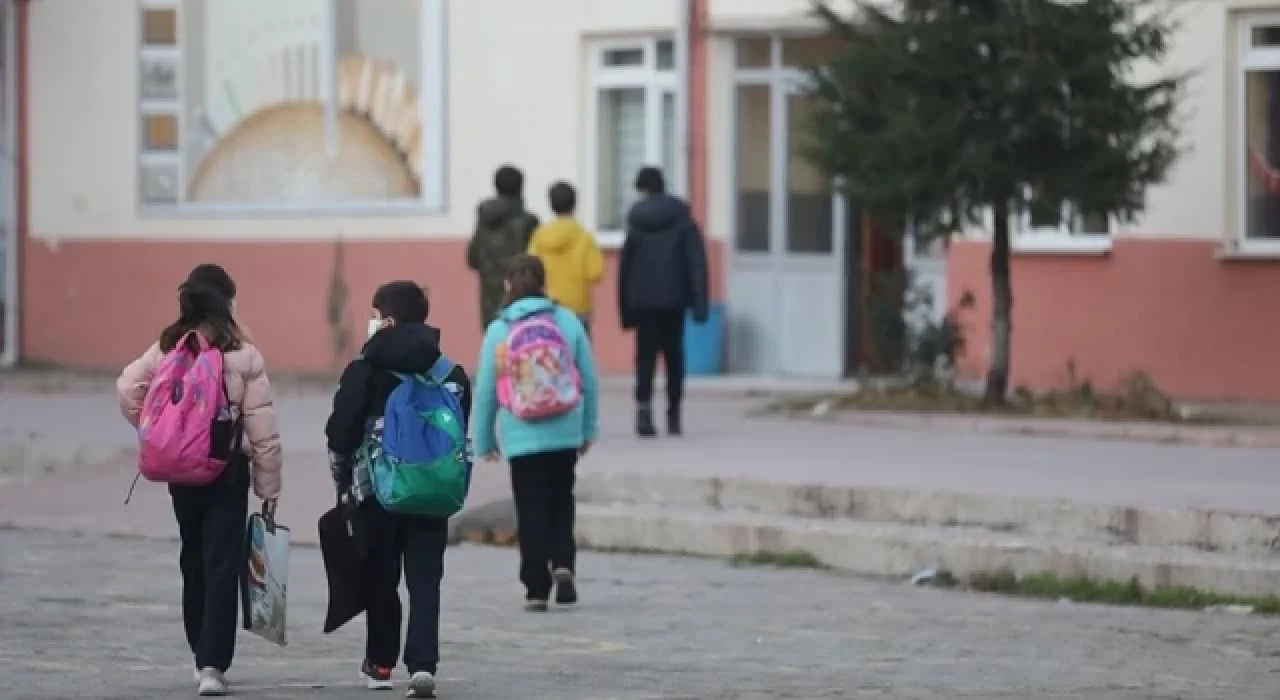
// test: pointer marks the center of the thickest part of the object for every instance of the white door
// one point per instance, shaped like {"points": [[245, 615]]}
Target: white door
{"points": [[752, 309], [810, 221], [786, 263]]}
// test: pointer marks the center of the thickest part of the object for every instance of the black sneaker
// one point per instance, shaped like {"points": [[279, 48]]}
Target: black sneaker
{"points": [[673, 422], [644, 423], [566, 590], [375, 677], [535, 605]]}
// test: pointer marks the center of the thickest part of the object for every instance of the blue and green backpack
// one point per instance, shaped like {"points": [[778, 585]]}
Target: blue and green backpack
{"points": [[419, 463]]}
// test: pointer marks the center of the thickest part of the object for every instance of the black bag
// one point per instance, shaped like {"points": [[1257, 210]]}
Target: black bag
{"points": [[344, 548]]}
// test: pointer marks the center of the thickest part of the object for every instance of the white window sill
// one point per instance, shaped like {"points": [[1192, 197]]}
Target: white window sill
{"points": [[299, 210], [1060, 244], [1250, 250], [610, 240]]}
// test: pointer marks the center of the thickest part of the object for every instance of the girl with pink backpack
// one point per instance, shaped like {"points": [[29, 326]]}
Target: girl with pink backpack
{"points": [[536, 404], [203, 407]]}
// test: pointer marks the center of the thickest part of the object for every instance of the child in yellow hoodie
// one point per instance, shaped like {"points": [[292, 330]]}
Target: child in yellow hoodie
{"points": [[569, 253]]}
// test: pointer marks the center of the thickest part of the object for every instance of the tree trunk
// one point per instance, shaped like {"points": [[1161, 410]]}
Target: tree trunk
{"points": [[997, 389]]}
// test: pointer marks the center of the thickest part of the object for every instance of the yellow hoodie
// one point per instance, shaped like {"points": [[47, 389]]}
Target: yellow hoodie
{"points": [[573, 261]]}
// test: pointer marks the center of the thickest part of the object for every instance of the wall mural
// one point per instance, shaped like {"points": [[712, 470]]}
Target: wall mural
{"points": [[282, 102]]}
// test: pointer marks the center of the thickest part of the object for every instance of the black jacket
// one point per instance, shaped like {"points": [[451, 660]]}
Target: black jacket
{"points": [[663, 265], [368, 381]]}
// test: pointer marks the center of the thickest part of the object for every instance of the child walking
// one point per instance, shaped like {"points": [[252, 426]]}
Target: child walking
{"points": [[536, 401], [569, 252], [401, 349], [210, 494]]}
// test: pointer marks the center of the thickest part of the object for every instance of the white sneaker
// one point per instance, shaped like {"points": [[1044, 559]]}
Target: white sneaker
{"points": [[212, 683], [421, 685]]}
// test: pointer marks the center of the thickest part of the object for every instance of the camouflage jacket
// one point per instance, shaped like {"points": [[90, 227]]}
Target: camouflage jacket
{"points": [[503, 230]]}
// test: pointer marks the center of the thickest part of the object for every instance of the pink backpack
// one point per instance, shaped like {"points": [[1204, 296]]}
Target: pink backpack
{"points": [[185, 430], [538, 376]]}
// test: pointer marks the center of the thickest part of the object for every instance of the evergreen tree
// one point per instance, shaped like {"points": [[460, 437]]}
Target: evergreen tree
{"points": [[942, 113]]}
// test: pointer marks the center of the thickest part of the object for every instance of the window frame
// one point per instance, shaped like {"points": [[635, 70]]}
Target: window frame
{"points": [[656, 83], [1249, 60], [433, 108], [1068, 236]]}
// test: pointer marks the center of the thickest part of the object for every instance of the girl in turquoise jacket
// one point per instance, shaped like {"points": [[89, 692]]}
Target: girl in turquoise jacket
{"points": [[543, 452]]}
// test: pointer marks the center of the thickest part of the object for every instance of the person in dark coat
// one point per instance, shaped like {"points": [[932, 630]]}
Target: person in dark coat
{"points": [[662, 274]]}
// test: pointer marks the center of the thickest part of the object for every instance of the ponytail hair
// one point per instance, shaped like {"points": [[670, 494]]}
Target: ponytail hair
{"points": [[204, 305], [526, 277]]}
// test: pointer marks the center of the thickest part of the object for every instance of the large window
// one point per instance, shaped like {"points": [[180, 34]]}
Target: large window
{"points": [[1065, 219], [635, 97], [1260, 135], [291, 104]]}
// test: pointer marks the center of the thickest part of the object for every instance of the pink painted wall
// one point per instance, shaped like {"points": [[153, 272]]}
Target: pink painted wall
{"points": [[97, 305], [1201, 326]]}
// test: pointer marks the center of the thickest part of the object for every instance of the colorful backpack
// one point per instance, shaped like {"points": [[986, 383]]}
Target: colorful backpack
{"points": [[538, 376], [418, 460], [186, 434]]}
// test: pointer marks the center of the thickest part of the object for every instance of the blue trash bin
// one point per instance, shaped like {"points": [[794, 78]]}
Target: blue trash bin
{"points": [[704, 344]]}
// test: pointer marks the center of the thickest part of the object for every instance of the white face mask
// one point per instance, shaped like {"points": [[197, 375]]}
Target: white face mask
{"points": [[375, 325]]}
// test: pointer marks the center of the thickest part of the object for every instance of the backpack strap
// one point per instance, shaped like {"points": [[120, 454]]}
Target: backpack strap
{"points": [[439, 372]]}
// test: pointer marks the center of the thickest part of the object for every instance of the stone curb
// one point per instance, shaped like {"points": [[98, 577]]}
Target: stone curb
{"points": [[489, 523], [900, 551], [1203, 436], [1194, 529]]}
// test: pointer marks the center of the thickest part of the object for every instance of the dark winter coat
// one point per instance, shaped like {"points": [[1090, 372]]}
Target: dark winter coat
{"points": [[503, 230], [663, 265], [368, 381]]}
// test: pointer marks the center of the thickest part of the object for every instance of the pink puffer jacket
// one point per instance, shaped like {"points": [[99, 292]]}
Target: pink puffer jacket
{"points": [[250, 393]]}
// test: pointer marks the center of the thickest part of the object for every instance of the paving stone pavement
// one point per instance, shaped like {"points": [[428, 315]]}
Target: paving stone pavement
{"points": [[96, 617]]}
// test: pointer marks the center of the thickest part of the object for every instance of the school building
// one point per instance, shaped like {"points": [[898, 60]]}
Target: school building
{"points": [[319, 147]]}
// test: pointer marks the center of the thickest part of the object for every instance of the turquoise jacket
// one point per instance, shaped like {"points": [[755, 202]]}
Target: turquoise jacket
{"points": [[520, 438]]}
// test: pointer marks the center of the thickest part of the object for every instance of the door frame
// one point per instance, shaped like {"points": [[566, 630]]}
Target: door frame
{"points": [[782, 82], [9, 189]]}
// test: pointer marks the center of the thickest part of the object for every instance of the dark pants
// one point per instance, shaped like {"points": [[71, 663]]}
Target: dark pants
{"points": [[211, 523], [417, 545], [543, 488], [660, 332]]}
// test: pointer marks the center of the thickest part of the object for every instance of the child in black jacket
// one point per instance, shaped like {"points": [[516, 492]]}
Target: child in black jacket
{"points": [[399, 342]]}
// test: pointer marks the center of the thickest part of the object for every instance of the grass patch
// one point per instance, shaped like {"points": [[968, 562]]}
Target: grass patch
{"points": [[1135, 398], [645, 552], [789, 559], [1082, 590]]}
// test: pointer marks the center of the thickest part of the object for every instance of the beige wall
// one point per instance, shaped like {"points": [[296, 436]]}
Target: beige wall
{"points": [[516, 90], [1199, 199], [1195, 200], [83, 118], [759, 13]]}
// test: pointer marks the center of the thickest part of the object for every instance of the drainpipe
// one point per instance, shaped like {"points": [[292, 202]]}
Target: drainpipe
{"points": [[16, 78], [684, 76]]}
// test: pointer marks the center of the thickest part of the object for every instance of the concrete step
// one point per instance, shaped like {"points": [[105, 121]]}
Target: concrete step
{"points": [[896, 550], [1197, 529]]}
